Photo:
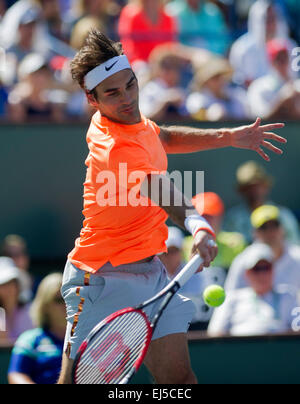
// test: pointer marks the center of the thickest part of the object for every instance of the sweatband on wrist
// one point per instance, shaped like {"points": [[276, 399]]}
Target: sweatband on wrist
{"points": [[100, 73], [195, 223]]}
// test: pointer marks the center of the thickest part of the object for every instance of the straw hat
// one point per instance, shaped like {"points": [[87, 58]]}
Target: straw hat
{"points": [[213, 67]]}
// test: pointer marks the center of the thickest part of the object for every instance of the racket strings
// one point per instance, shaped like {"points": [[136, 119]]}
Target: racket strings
{"points": [[114, 350], [102, 355]]}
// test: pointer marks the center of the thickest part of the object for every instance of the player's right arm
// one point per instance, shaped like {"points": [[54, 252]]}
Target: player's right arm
{"points": [[162, 191]]}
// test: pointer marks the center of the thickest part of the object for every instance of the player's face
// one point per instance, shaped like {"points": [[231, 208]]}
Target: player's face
{"points": [[118, 98], [261, 277]]}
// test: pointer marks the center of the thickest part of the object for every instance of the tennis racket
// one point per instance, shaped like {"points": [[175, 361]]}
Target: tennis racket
{"points": [[115, 349]]}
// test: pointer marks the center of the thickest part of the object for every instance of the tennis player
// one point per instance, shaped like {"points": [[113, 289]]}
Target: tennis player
{"points": [[114, 263]]}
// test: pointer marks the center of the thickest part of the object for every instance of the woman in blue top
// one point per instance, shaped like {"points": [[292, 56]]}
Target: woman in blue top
{"points": [[36, 356]]}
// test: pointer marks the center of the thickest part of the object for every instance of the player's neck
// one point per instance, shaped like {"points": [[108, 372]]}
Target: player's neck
{"points": [[134, 121]]}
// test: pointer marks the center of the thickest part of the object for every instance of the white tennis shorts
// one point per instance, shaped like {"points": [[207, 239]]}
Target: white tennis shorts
{"points": [[92, 297]]}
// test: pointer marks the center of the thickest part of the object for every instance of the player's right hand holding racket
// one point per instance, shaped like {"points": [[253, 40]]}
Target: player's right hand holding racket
{"points": [[115, 349], [205, 248]]}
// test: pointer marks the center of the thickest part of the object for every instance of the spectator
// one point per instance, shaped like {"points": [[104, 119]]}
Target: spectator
{"points": [[276, 95], [11, 20], [23, 46], [34, 97], [248, 55], [260, 308], [15, 248], [2, 8], [143, 25], [36, 357], [106, 12], [17, 314], [211, 206], [49, 38], [163, 97], [201, 25], [268, 229], [173, 259], [81, 29], [214, 99], [254, 186]]}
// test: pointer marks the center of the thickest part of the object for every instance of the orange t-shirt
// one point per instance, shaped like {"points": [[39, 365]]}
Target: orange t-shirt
{"points": [[114, 230]]}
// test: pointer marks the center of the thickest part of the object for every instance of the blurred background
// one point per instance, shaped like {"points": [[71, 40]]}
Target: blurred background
{"points": [[218, 63]]}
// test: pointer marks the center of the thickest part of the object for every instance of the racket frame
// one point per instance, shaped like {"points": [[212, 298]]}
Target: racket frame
{"points": [[168, 292]]}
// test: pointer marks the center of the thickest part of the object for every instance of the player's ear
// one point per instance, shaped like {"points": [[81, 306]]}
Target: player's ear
{"points": [[91, 99]]}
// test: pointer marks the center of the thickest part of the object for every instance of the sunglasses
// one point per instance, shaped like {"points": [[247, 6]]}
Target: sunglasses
{"points": [[266, 267], [271, 225]]}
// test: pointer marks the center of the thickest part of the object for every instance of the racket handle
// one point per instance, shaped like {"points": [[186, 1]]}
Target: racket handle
{"points": [[191, 267]]}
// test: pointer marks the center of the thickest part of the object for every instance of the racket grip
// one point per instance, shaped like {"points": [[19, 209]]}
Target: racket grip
{"points": [[191, 267]]}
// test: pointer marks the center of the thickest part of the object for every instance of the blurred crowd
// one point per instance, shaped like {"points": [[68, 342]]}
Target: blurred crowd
{"points": [[195, 59], [258, 264]]}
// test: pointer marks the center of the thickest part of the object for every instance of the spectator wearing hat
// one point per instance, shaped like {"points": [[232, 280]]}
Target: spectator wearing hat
{"points": [[212, 208], [268, 229], [35, 96], [104, 14], [248, 55], [15, 248], [277, 94], [163, 96], [23, 45], [16, 314], [213, 98], [36, 356], [201, 24], [260, 308], [254, 185]]}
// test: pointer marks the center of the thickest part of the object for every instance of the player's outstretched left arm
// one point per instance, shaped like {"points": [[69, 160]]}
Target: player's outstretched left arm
{"points": [[176, 139]]}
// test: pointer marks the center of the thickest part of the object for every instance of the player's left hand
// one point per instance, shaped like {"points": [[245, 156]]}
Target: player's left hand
{"points": [[256, 136]]}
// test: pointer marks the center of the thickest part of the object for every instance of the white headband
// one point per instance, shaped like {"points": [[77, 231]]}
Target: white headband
{"points": [[105, 70]]}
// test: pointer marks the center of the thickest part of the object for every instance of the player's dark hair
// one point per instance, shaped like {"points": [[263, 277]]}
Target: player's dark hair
{"points": [[97, 49]]}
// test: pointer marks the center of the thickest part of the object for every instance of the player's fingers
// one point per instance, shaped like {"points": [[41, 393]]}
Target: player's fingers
{"points": [[256, 124], [272, 126], [271, 147], [200, 269], [214, 252], [263, 154], [273, 136], [210, 256]]}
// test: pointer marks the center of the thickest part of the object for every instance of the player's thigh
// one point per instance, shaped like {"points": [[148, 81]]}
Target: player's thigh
{"points": [[168, 360], [66, 370]]}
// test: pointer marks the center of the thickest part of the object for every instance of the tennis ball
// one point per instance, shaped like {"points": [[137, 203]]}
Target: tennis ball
{"points": [[214, 296]]}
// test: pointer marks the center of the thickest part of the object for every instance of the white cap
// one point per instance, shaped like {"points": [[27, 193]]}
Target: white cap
{"points": [[175, 238], [8, 271], [255, 253], [30, 64]]}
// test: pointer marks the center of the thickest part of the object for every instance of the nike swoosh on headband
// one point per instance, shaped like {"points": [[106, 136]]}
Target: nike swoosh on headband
{"points": [[109, 68]]}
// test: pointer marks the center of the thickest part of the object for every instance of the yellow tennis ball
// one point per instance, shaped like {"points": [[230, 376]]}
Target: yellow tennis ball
{"points": [[214, 295]]}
